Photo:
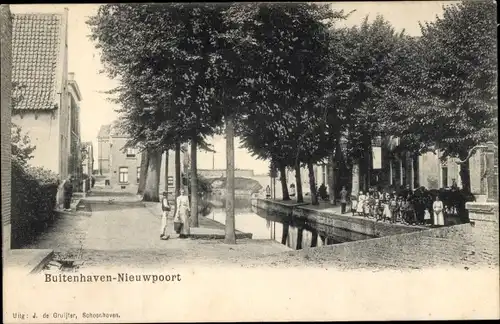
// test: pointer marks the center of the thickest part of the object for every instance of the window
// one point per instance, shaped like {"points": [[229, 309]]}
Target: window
{"points": [[170, 181], [138, 173], [123, 175], [444, 176], [130, 152]]}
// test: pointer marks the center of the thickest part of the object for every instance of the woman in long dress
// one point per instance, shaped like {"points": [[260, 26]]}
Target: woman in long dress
{"points": [[182, 211], [361, 203], [437, 207]]}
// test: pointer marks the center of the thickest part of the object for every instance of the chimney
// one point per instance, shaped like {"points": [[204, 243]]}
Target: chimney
{"points": [[71, 76]]}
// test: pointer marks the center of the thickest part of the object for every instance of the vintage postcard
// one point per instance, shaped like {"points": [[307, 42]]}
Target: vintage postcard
{"points": [[267, 161]]}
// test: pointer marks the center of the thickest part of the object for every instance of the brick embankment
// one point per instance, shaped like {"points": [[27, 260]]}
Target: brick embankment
{"points": [[450, 246]]}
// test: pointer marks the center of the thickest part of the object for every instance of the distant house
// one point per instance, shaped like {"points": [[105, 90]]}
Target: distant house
{"points": [[88, 160], [103, 153], [46, 95], [120, 166], [398, 168]]}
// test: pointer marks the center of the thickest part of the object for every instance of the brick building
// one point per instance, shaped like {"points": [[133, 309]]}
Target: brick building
{"points": [[47, 96], [6, 88], [398, 168], [120, 166]]}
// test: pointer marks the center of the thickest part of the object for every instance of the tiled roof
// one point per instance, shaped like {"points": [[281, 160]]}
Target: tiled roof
{"points": [[36, 42]]}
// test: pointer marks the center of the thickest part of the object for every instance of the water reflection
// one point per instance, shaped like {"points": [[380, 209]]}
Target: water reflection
{"points": [[289, 231]]}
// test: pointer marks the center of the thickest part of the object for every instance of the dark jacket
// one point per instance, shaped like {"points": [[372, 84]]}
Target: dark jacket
{"points": [[68, 188]]}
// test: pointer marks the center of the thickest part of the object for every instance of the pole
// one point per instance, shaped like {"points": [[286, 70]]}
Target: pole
{"points": [[166, 170], [491, 173], [274, 188], [194, 184], [177, 169]]}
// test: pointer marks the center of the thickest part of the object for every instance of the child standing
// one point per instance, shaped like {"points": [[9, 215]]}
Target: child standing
{"points": [[165, 207], [393, 207], [343, 200], [360, 208], [354, 204]]}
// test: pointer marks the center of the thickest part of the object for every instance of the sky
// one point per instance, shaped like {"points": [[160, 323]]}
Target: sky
{"points": [[96, 110]]}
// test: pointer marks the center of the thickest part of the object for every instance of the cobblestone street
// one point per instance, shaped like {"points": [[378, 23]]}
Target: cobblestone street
{"points": [[126, 233]]}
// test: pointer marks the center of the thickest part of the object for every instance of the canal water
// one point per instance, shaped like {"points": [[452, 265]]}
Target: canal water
{"points": [[292, 232]]}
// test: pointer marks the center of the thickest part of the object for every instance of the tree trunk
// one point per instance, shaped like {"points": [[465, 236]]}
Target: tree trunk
{"points": [[177, 169], [298, 185], [143, 172], [194, 185], [300, 232], [312, 184], [314, 239], [465, 175], [230, 237], [152, 187], [368, 175], [286, 228], [355, 179], [331, 179], [284, 187], [166, 170]]}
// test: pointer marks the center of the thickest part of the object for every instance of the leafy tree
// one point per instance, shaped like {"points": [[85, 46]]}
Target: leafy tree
{"points": [[22, 149], [287, 58], [448, 98], [362, 63], [167, 68]]}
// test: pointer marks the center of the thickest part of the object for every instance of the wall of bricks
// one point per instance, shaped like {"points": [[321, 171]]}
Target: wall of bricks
{"points": [[6, 88]]}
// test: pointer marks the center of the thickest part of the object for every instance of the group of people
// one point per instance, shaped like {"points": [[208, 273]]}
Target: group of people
{"points": [[181, 216], [398, 208]]}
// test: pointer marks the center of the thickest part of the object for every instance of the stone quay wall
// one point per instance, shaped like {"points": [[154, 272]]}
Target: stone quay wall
{"points": [[354, 227]]}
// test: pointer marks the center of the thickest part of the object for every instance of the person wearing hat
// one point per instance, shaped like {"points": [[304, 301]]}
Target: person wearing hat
{"points": [[165, 207]]}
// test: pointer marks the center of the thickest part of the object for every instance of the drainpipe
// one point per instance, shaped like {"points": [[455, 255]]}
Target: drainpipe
{"points": [[390, 173], [412, 172]]}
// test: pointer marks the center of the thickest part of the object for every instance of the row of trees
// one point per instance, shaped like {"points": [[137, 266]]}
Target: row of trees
{"points": [[292, 84], [438, 90]]}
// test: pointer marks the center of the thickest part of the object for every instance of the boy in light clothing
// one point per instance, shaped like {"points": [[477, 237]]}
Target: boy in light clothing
{"points": [[165, 207]]}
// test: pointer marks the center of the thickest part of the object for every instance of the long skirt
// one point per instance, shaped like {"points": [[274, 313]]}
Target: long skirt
{"points": [[387, 212], [354, 205], [439, 218], [360, 207], [184, 218], [366, 208]]}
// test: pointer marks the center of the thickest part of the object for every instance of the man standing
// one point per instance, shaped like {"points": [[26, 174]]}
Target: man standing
{"points": [[292, 190], [343, 200], [68, 193], [268, 192]]}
